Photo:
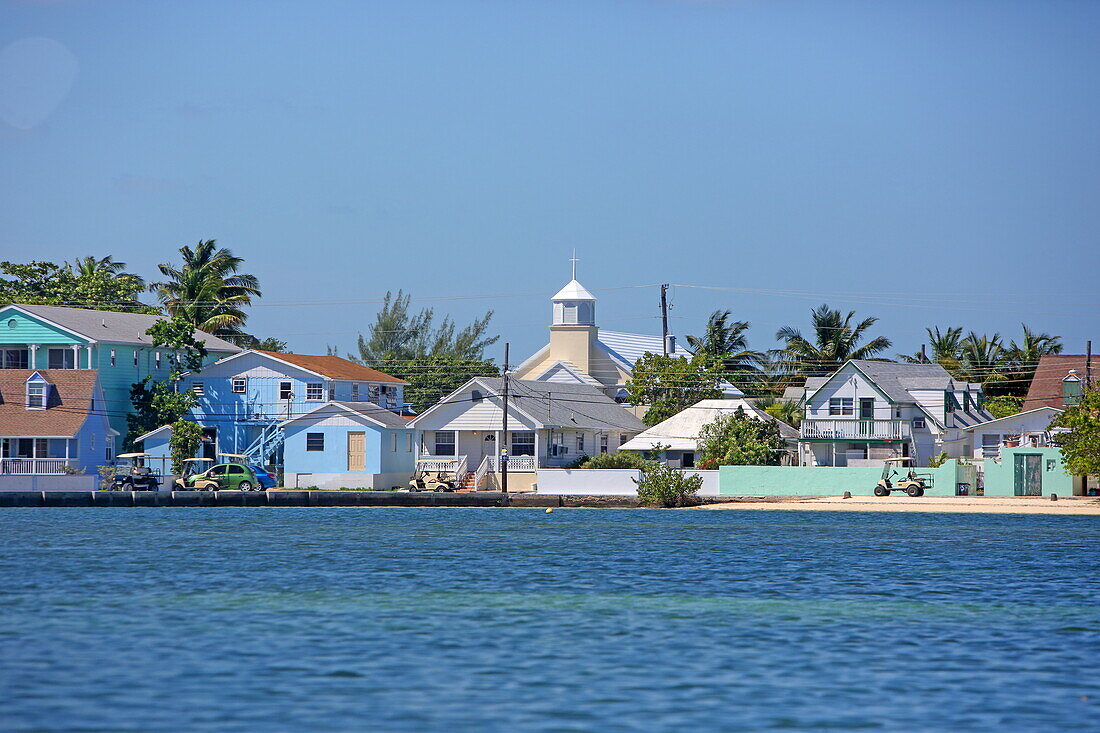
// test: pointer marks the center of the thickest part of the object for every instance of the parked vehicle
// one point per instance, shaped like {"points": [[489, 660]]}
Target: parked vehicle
{"points": [[230, 476], [267, 479], [135, 475], [912, 483], [431, 476], [192, 469]]}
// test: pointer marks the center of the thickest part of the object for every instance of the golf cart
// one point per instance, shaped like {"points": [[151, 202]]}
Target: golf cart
{"points": [[234, 475], [192, 469], [136, 476], [912, 483], [433, 475]]}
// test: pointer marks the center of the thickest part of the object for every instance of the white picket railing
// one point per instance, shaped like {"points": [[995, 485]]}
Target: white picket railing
{"points": [[482, 472], [458, 465], [33, 466], [828, 429], [516, 464]]}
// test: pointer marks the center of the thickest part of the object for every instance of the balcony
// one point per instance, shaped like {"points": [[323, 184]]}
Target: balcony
{"points": [[855, 430]]}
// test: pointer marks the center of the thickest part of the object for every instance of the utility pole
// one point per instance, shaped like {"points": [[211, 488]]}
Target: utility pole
{"points": [[504, 432], [664, 318], [1088, 364], [923, 356]]}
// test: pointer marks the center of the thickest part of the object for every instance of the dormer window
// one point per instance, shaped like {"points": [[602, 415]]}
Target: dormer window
{"points": [[37, 391]]}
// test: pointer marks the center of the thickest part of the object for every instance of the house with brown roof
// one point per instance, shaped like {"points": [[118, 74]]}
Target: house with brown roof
{"points": [[243, 399], [1059, 379], [53, 422]]}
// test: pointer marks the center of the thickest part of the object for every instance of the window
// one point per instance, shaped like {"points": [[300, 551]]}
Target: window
{"points": [[841, 406], [355, 391], [603, 444], [114, 358], [61, 359], [394, 449], [285, 392], [409, 443], [315, 391], [156, 359], [238, 385], [624, 438], [918, 423], [109, 453], [332, 391], [315, 441], [580, 442], [991, 445], [523, 443], [36, 395], [476, 396], [198, 388], [16, 359], [135, 357], [444, 443]]}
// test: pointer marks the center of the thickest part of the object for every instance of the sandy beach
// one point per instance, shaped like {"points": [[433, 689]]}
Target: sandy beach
{"points": [[1083, 506]]}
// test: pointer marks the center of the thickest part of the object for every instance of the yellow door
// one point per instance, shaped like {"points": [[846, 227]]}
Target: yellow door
{"points": [[357, 447]]}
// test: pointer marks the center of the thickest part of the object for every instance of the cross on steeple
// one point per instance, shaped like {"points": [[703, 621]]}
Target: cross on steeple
{"points": [[574, 260]]}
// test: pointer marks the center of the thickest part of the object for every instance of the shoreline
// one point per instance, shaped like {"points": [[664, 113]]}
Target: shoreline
{"points": [[1071, 506]]}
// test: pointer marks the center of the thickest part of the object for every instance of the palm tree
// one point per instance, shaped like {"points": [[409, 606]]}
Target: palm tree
{"points": [[725, 341], [945, 347], [788, 411], [836, 340], [1025, 355], [207, 290], [108, 267], [983, 359]]}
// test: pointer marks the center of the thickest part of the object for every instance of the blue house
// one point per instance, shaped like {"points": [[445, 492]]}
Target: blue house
{"points": [[244, 399], [53, 422], [348, 445], [57, 338]]}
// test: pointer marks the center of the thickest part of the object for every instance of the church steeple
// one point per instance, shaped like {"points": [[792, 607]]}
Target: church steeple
{"points": [[573, 304]]}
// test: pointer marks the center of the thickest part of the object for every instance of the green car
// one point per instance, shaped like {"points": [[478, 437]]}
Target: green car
{"points": [[231, 476]]}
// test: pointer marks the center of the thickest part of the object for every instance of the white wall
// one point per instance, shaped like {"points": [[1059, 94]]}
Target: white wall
{"points": [[607, 482], [49, 483]]}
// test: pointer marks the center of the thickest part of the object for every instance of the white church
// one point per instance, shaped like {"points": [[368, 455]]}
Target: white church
{"points": [[580, 352]]}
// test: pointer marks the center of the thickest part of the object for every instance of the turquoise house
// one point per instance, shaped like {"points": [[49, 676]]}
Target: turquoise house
{"points": [[113, 344], [348, 445]]}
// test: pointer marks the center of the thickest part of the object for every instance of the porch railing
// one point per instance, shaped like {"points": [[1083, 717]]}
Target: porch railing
{"points": [[458, 465], [33, 466], [828, 429], [516, 464]]}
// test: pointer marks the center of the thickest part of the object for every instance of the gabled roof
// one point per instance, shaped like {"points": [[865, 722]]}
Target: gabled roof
{"points": [[1054, 412], [552, 404], [889, 376], [571, 370], [112, 327], [573, 290], [627, 348], [67, 405], [968, 418], [681, 431], [333, 367], [368, 410], [1046, 385]]}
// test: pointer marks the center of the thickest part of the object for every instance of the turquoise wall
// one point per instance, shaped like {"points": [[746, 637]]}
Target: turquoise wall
{"points": [[27, 330], [823, 480], [1000, 478]]}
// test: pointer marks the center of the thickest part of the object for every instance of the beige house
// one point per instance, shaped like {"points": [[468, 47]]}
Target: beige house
{"points": [[580, 352]]}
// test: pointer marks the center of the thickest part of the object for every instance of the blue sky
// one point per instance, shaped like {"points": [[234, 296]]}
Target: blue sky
{"points": [[929, 163]]}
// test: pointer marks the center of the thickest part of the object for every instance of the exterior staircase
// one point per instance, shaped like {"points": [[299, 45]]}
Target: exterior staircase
{"points": [[269, 441], [469, 482]]}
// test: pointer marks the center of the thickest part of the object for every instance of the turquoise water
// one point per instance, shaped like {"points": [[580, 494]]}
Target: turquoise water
{"points": [[489, 619]]}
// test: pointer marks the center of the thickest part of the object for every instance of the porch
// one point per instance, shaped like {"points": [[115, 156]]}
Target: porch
{"points": [[852, 429], [33, 456], [35, 466]]}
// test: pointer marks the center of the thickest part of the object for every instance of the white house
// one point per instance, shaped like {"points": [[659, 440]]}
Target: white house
{"points": [[870, 410], [679, 434], [1029, 429], [549, 424]]}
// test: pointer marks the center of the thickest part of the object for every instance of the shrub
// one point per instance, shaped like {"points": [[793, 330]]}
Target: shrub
{"points": [[106, 477], [709, 464], [668, 487], [938, 461], [626, 459], [737, 439], [1005, 406]]}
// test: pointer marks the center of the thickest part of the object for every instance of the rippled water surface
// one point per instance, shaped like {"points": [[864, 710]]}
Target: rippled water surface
{"points": [[489, 619]]}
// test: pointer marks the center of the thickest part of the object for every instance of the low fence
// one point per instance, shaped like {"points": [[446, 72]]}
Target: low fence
{"points": [[49, 483], [948, 480], [606, 481]]}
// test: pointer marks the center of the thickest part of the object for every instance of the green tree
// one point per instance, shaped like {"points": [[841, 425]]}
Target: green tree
{"points": [[945, 347], [736, 439], [984, 359], [268, 344], [431, 378], [158, 403], [836, 339], [788, 411], [399, 334], [668, 487], [1080, 445], [1024, 356], [47, 283], [670, 384], [91, 268], [1003, 406], [184, 443], [207, 290]]}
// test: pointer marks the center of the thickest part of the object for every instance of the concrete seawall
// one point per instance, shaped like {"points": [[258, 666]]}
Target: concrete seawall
{"points": [[13, 499]]}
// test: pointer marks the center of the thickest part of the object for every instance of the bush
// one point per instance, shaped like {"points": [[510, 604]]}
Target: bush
{"points": [[668, 487], [626, 459], [1000, 407]]}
